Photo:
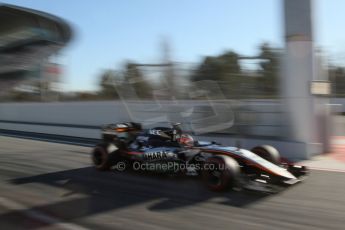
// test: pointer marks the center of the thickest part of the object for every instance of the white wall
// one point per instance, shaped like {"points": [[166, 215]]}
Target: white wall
{"points": [[255, 117], [265, 119], [83, 113]]}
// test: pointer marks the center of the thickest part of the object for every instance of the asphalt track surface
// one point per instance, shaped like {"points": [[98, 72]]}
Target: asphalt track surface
{"points": [[52, 186]]}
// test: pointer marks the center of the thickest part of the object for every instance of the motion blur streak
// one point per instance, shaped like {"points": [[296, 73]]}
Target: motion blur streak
{"points": [[218, 71]]}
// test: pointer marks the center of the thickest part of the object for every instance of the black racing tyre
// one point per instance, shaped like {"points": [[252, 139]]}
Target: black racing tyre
{"points": [[220, 173], [102, 160], [297, 170], [268, 153]]}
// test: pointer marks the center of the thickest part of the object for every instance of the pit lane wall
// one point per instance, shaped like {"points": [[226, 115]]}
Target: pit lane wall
{"points": [[244, 124]]}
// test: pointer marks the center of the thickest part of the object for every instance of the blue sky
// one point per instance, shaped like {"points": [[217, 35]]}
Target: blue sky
{"points": [[108, 32]]}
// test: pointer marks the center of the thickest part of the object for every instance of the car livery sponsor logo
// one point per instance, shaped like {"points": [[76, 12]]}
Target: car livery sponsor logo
{"points": [[155, 132], [159, 155]]}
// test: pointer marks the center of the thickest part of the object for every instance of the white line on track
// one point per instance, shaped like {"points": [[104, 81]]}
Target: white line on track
{"points": [[327, 169], [40, 216], [49, 140]]}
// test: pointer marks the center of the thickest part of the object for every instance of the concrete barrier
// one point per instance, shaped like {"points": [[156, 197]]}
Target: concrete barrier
{"points": [[254, 120], [250, 118]]}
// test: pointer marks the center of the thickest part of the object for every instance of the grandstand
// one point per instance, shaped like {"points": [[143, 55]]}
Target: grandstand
{"points": [[27, 39]]}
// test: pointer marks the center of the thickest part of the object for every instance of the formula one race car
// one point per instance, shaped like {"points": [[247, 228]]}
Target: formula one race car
{"points": [[170, 150]]}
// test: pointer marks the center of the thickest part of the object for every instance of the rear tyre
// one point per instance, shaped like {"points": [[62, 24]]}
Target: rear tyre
{"points": [[221, 173], [102, 160], [268, 153]]}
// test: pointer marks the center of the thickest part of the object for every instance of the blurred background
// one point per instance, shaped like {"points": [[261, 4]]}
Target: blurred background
{"points": [[253, 70]]}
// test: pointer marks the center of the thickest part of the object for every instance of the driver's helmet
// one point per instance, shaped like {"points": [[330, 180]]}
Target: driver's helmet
{"points": [[186, 140]]}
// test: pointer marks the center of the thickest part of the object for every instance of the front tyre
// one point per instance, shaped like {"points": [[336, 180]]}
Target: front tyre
{"points": [[221, 173], [268, 153]]}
